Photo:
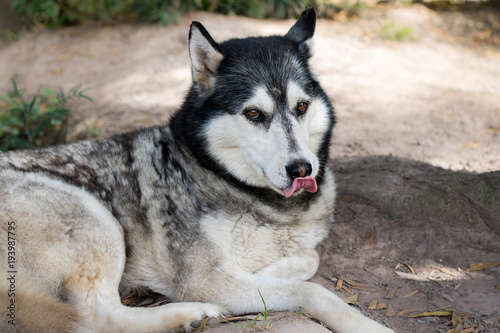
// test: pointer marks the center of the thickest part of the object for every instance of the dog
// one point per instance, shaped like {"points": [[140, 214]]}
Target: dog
{"points": [[225, 203]]}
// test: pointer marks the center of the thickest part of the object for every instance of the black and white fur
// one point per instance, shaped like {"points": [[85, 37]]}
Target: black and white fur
{"points": [[194, 210]]}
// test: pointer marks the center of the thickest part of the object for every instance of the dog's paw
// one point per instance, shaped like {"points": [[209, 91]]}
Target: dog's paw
{"points": [[201, 325], [201, 316]]}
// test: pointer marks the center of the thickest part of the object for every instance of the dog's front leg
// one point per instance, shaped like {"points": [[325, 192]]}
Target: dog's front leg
{"points": [[300, 266], [238, 291]]}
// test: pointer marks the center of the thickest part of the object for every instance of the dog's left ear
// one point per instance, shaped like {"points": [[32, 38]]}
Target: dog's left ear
{"points": [[205, 57], [303, 30]]}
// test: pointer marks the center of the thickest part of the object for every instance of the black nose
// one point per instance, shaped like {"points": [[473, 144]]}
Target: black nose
{"points": [[299, 169]]}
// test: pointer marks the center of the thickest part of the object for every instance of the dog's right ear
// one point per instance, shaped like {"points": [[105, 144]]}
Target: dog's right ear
{"points": [[205, 57]]}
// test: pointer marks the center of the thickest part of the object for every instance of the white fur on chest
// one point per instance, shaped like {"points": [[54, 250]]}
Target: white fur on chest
{"points": [[250, 246], [247, 243]]}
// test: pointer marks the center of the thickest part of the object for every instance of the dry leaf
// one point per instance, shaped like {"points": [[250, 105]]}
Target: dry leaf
{"points": [[498, 286], [481, 266], [351, 299], [371, 239], [459, 330], [355, 285], [363, 287], [347, 289], [410, 268], [142, 293], [392, 293], [459, 284], [411, 277], [413, 293], [146, 301], [158, 303], [373, 304], [247, 317], [405, 264], [127, 301], [390, 311], [472, 145], [445, 271], [432, 314], [459, 320], [468, 330], [400, 313], [380, 306], [456, 319], [338, 285]]}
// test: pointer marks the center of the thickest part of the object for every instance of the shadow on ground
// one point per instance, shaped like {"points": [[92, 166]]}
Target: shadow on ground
{"points": [[394, 211]]}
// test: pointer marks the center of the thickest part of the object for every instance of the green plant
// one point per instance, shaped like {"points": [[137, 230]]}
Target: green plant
{"points": [[166, 12], [41, 121], [264, 312], [259, 317], [391, 31], [10, 36], [55, 13], [352, 8], [38, 11]]}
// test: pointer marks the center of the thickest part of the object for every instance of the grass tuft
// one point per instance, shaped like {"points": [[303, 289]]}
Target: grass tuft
{"points": [[37, 122]]}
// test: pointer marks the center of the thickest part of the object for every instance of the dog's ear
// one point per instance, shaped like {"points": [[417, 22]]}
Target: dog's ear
{"points": [[303, 30], [205, 57]]}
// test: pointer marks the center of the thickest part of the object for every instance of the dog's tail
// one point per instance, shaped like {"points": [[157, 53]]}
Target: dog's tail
{"points": [[28, 308]]}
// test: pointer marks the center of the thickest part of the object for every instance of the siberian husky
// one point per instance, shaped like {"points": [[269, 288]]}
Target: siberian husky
{"points": [[227, 201]]}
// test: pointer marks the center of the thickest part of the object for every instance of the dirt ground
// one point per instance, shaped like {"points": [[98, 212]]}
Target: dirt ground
{"points": [[415, 148]]}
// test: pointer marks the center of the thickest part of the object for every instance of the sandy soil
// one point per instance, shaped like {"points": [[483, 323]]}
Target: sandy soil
{"points": [[418, 122]]}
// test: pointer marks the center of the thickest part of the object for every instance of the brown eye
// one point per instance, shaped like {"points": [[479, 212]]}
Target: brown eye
{"points": [[302, 107], [253, 114]]}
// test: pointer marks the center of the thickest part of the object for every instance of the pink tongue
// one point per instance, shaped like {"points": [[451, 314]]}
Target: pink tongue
{"points": [[308, 183]]}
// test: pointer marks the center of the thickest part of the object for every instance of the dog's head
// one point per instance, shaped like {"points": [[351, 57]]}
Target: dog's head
{"points": [[255, 111]]}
